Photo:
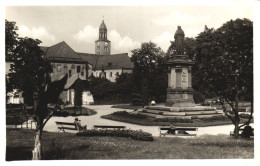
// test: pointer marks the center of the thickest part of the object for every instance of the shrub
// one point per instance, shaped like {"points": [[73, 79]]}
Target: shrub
{"points": [[137, 100], [134, 134], [122, 113], [127, 115], [78, 88], [61, 113], [198, 97], [215, 118], [173, 120], [245, 116]]}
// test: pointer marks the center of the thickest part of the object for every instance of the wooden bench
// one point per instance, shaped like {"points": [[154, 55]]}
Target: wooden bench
{"points": [[178, 131], [240, 133], [108, 127], [62, 126]]}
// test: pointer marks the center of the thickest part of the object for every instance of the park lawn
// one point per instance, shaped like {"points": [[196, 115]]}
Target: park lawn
{"points": [[69, 146], [149, 121]]}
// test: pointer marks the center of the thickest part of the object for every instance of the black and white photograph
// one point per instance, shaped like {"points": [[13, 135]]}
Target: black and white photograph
{"points": [[109, 81]]}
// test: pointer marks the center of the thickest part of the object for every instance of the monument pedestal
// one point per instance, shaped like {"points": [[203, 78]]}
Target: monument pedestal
{"points": [[179, 97], [180, 91]]}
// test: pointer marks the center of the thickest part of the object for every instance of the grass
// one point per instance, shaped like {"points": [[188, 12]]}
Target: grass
{"points": [[68, 146], [124, 116]]}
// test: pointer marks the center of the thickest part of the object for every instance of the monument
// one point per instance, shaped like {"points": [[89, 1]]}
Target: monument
{"points": [[179, 102], [180, 92]]}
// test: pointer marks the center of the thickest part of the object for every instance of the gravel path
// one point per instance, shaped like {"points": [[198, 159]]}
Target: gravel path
{"points": [[106, 109]]}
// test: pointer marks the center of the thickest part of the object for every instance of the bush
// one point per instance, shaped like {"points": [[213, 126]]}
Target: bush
{"points": [[78, 88], [61, 113], [198, 97], [134, 134], [173, 120], [137, 100], [245, 116], [215, 118], [127, 115]]}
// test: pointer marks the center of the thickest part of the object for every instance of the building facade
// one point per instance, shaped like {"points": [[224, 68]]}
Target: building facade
{"points": [[65, 60]]}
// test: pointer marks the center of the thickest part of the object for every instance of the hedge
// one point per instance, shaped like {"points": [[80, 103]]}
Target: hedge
{"points": [[134, 134]]}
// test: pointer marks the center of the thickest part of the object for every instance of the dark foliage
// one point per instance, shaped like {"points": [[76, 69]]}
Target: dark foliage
{"points": [[198, 97], [78, 88], [137, 100], [149, 72], [134, 134]]}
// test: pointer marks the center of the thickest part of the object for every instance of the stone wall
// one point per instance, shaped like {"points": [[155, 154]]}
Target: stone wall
{"points": [[60, 69]]}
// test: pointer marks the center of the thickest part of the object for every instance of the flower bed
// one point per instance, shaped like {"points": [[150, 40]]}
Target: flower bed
{"points": [[134, 134]]}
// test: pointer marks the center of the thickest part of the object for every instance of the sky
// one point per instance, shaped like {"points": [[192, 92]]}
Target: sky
{"points": [[128, 26]]}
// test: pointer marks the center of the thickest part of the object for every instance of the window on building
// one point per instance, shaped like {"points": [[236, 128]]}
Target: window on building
{"points": [[73, 66], [69, 73], [117, 73], [82, 73], [78, 69], [111, 74]]}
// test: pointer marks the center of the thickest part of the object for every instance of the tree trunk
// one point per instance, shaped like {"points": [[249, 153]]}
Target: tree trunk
{"points": [[236, 131], [37, 145]]}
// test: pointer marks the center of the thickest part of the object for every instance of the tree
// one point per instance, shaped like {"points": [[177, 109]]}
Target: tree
{"points": [[102, 89], [125, 86], [224, 59], [78, 93], [30, 74], [11, 39], [149, 71]]}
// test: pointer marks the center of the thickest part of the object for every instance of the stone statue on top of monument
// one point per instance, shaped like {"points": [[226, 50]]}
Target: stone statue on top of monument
{"points": [[179, 40]]}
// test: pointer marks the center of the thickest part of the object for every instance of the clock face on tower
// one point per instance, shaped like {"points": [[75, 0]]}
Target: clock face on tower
{"points": [[106, 43]]}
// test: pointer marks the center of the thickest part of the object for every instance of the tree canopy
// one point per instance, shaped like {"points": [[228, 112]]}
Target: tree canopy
{"points": [[27, 62], [149, 72]]}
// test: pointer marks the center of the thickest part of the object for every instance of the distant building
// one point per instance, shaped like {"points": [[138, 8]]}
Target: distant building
{"points": [[65, 60]]}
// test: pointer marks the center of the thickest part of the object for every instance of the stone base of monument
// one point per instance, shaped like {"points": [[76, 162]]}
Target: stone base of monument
{"points": [[179, 112]]}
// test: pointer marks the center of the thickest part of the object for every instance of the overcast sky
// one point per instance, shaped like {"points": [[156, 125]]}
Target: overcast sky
{"points": [[127, 27]]}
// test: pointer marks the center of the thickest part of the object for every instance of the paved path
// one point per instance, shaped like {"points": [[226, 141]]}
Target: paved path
{"points": [[106, 109]]}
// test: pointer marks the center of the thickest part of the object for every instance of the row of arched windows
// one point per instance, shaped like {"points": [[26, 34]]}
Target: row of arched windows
{"points": [[102, 35]]}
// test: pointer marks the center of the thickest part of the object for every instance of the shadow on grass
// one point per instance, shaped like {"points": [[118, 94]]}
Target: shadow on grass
{"points": [[18, 153]]}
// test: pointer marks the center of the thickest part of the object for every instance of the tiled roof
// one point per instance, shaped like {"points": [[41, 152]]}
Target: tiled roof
{"points": [[109, 61], [114, 61], [62, 51]]}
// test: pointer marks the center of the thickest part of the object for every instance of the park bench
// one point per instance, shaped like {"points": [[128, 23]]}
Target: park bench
{"points": [[178, 131], [108, 127], [240, 130], [62, 126]]}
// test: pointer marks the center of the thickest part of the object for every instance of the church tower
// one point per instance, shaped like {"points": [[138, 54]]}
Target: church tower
{"points": [[102, 45]]}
